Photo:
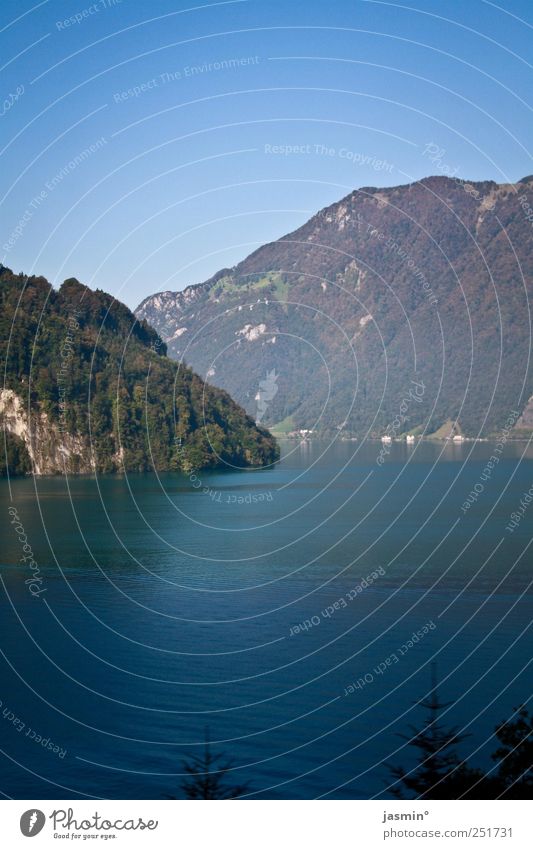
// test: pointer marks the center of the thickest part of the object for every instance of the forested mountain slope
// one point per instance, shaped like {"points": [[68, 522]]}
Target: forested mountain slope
{"points": [[86, 387], [333, 326]]}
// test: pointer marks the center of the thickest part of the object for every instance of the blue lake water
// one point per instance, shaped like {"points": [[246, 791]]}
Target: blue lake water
{"points": [[232, 603]]}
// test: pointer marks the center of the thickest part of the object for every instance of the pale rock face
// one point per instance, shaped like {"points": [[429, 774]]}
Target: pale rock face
{"points": [[341, 214], [13, 414], [50, 450], [362, 324], [169, 305], [488, 203], [354, 269], [251, 333], [381, 199], [118, 457]]}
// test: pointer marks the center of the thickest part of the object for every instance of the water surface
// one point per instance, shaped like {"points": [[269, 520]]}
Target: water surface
{"points": [[245, 604]]}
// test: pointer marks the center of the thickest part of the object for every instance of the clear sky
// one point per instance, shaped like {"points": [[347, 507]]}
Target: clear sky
{"points": [[145, 145]]}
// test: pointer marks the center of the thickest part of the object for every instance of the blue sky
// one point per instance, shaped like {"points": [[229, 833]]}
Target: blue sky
{"points": [[146, 145]]}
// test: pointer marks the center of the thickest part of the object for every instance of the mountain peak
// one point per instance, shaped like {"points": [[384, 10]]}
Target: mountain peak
{"points": [[384, 287]]}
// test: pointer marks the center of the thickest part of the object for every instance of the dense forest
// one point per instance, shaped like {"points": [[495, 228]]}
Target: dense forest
{"points": [[86, 382]]}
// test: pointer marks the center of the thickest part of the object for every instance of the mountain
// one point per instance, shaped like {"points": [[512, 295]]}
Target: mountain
{"points": [[87, 387], [394, 310]]}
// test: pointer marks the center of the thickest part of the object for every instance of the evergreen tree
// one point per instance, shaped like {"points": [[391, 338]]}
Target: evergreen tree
{"points": [[515, 755], [209, 776], [440, 773]]}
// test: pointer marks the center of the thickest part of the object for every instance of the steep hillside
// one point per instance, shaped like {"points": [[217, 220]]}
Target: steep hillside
{"points": [[393, 310], [88, 387]]}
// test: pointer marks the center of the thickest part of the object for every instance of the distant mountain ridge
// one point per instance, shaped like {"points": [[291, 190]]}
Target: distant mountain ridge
{"points": [[89, 388], [427, 283]]}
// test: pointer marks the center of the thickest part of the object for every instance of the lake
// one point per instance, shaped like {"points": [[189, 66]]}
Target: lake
{"points": [[263, 608]]}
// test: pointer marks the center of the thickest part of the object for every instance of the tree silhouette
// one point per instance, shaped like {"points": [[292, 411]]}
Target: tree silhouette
{"points": [[208, 776], [515, 755], [440, 773]]}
